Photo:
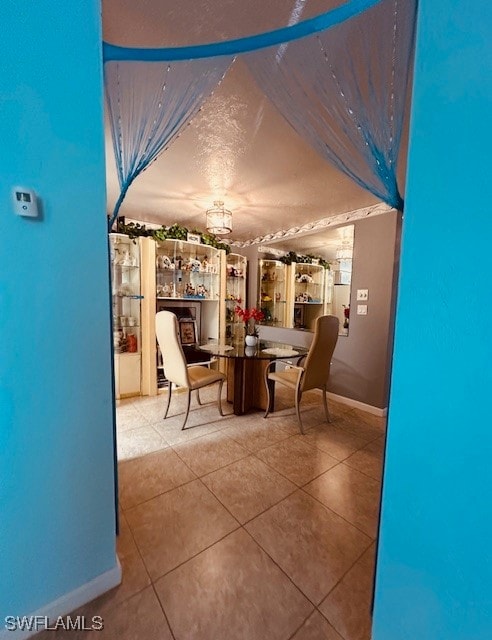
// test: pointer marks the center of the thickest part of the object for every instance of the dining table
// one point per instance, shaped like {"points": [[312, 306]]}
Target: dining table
{"points": [[245, 369]]}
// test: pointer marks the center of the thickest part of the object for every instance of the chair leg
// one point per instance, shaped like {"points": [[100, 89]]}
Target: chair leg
{"points": [[327, 413], [298, 403], [219, 399], [187, 408], [170, 386], [198, 397], [268, 397]]}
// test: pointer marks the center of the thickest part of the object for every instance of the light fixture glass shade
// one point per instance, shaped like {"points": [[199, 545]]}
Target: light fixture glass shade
{"points": [[345, 250], [344, 253], [219, 220]]}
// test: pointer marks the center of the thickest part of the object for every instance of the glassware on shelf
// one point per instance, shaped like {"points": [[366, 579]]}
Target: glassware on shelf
{"points": [[235, 294], [272, 291], [307, 282], [186, 270], [125, 277]]}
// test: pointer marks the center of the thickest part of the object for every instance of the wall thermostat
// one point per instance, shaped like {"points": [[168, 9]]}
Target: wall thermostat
{"points": [[25, 202]]}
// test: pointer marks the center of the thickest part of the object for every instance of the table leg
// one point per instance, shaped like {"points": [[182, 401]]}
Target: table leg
{"points": [[246, 386], [236, 385]]}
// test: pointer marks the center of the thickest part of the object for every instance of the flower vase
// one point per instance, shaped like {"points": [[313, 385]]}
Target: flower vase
{"points": [[251, 341]]}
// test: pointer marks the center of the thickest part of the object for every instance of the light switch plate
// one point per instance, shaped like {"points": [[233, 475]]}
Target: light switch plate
{"points": [[362, 309], [362, 294]]}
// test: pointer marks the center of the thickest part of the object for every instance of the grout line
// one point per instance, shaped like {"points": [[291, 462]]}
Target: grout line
{"points": [[243, 524], [344, 462], [162, 493], [252, 454], [303, 623], [163, 611], [337, 514], [343, 577], [154, 580], [218, 468], [282, 570]]}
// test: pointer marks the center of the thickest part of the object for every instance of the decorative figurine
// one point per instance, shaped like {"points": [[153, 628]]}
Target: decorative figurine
{"points": [[194, 265], [201, 291], [190, 290]]}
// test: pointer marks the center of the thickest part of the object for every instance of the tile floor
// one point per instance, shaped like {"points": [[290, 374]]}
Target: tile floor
{"points": [[240, 528]]}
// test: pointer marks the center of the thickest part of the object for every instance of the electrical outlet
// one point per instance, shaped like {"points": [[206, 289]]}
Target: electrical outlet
{"points": [[362, 309], [362, 294]]}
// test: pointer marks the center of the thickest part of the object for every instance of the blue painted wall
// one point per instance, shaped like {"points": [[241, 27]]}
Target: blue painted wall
{"points": [[56, 470], [434, 577]]}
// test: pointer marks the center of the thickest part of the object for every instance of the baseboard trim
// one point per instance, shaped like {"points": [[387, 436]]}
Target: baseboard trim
{"points": [[376, 411], [70, 601]]}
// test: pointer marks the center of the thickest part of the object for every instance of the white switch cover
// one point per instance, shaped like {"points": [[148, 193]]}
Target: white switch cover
{"points": [[362, 309], [362, 294]]}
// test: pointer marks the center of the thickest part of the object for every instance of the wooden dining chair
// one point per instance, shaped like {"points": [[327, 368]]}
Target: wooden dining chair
{"points": [[176, 370], [314, 371]]}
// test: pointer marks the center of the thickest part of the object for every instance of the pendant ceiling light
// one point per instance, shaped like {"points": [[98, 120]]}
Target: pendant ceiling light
{"points": [[219, 220]]}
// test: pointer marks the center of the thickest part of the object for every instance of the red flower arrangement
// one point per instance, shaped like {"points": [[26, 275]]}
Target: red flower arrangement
{"points": [[250, 317], [346, 314]]}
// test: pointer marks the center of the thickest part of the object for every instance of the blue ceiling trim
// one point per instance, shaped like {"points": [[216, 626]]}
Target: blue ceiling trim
{"points": [[240, 45]]}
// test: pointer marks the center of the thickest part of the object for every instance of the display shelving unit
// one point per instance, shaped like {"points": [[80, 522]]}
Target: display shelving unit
{"points": [[126, 300], [272, 292], [235, 294], [306, 294], [189, 279], [341, 287]]}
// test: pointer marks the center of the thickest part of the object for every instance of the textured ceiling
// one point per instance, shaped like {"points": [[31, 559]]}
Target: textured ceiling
{"points": [[238, 148]]}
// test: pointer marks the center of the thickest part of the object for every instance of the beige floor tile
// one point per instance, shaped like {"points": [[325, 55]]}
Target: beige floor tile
{"points": [[312, 410], [317, 628], [356, 425], [128, 417], [311, 416], [143, 478], [154, 411], [232, 591], [255, 433], [296, 460], [369, 418], [134, 574], [248, 487], [348, 606], [138, 442], [338, 407], [174, 435], [122, 402], [351, 494], [369, 460], [313, 545], [333, 440], [139, 617], [176, 525], [285, 420], [211, 452]]}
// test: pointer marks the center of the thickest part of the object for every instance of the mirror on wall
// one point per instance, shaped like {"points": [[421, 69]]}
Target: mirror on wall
{"points": [[314, 291]]}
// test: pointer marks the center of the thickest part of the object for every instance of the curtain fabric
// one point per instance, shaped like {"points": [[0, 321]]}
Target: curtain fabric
{"points": [[149, 104], [343, 90]]}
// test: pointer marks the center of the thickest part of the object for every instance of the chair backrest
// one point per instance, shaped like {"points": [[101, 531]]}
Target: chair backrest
{"points": [[167, 332], [318, 360]]}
